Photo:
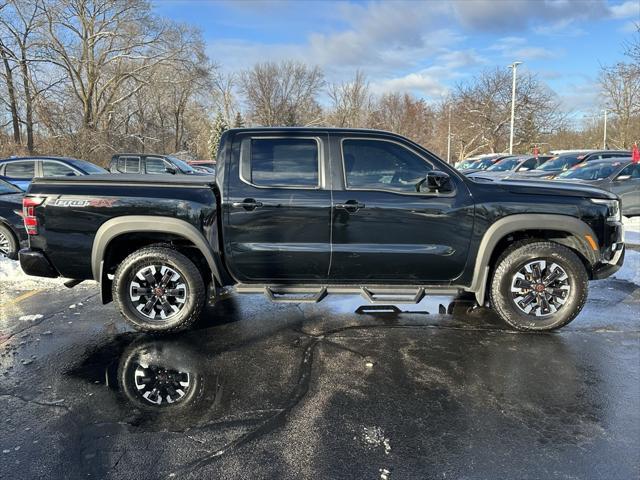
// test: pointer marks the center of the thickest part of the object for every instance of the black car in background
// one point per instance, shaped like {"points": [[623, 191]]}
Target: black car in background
{"points": [[565, 161], [12, 232], [154, 164], [19, 171]]}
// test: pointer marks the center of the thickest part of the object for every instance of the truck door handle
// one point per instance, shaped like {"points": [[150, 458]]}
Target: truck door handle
{"points": [[248, 204], [351, 206]]}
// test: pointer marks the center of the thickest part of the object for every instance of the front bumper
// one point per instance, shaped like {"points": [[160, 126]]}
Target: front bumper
{"points": [[609, 267], [35, 263]]}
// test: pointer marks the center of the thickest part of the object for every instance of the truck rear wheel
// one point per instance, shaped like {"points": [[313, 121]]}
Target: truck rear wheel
{"points": [[8, 243], [158, 289], [538, 286]]}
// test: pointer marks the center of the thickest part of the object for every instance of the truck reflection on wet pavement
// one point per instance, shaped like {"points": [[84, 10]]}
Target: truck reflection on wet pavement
{"points": [[337, 390]]}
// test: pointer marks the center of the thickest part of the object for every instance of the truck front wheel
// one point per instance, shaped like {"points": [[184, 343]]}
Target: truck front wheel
{"points": [[538, 286], [158, 289]]}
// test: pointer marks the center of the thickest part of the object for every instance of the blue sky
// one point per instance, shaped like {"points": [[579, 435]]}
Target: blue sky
{"points": [[424, 47]]}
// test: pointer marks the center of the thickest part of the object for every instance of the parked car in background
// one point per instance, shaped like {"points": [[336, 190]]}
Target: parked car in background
{"points": [[207, 166], [618, 175], [151, 163], [465, 163], [19, 171], [565, 161], [507, 167], [12, 232], [484, 163]]}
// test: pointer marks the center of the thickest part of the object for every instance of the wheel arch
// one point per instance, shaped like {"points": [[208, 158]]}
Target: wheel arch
{"points": [[563, 229], [118, 227]]}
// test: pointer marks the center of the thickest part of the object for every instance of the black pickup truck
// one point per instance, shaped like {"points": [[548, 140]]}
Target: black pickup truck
{"points": [[299, 213]]}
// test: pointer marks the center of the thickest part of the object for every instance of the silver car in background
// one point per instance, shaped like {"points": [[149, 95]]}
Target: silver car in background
{"points": [[618, 175]]}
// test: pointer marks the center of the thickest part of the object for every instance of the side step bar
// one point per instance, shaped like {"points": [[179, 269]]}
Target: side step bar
{"points": [[376, 294], [282, 295]]}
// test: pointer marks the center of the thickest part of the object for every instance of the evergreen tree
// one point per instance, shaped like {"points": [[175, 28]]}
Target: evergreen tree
{"points": [[217, 129], [239, 121]]}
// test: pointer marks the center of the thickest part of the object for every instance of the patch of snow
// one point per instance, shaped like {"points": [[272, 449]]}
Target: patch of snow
{"points": [[630, 270], [13, 279], [30, 318], [631, 230], [374, 437], [384, 474]]}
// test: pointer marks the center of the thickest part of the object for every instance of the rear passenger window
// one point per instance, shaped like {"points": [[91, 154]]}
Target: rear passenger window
{"points": [[129, 164], [24, 170], [282, 162]]}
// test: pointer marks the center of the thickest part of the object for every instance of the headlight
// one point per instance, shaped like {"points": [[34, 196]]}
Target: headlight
{"points": [[614, 213]]}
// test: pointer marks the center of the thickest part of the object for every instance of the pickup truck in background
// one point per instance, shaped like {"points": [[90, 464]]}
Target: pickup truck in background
{"points": [[300, 213], [150, 164]]}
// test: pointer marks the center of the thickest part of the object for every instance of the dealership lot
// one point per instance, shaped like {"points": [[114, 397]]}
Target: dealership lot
{"points": [[327, 390]]}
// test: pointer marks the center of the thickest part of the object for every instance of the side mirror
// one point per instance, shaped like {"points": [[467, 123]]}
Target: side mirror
{"points": [[622, 178], [437, 182], [170, 170]]}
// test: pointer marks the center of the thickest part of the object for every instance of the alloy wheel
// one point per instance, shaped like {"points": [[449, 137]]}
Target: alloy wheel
{"points": [[158, 292], [540, 288]]}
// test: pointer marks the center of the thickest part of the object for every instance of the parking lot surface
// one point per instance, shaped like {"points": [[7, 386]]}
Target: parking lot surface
{"points": [[261, 390]]}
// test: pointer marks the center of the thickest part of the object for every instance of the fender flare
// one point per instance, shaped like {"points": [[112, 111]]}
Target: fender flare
{"points": [[562, 224], [115, 227]]}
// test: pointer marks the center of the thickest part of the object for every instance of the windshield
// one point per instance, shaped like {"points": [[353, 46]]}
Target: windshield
{"points": [[504, 165], [6, 187], [86, 167], [561, 163], [591, 171], [466, 164], [482, 164], [183, 166]]}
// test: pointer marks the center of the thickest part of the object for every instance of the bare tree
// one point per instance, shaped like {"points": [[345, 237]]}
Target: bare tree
{"points": [[282, 94], [621, 90], [107, 48], [351, 102], [482, 109], [224, 98], [21, 24]]}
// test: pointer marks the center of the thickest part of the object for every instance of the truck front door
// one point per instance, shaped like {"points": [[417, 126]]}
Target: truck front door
{"points": [[385, 227], [277, 208]]}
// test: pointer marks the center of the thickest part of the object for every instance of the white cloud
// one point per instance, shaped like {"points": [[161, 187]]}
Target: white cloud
{"points": [[516, 48], [625, 10], [432, 81]]}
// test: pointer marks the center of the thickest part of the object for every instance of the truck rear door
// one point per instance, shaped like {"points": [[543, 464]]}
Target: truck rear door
{"points": [[277, 208]]}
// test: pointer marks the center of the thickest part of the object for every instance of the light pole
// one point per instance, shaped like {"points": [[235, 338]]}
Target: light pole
{"points": [[604, 139], [449, 138], [514, 67]]}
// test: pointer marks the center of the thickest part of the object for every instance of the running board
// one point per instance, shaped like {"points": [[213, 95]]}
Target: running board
{"points": [[376, 294]]}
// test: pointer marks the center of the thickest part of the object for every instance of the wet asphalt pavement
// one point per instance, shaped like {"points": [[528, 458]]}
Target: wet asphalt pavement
{"points": [[265, 390]]}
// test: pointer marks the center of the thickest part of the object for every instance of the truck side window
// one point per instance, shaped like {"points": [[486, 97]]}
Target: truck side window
{"points": [[283, 162], [129, 164], [155, 165], [56, 169], [382, 165], [24, 170]]}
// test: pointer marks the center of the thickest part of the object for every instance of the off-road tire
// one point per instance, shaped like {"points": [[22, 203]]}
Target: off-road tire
{"points": [[13, 243], [512, 260], [154, 255]]}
